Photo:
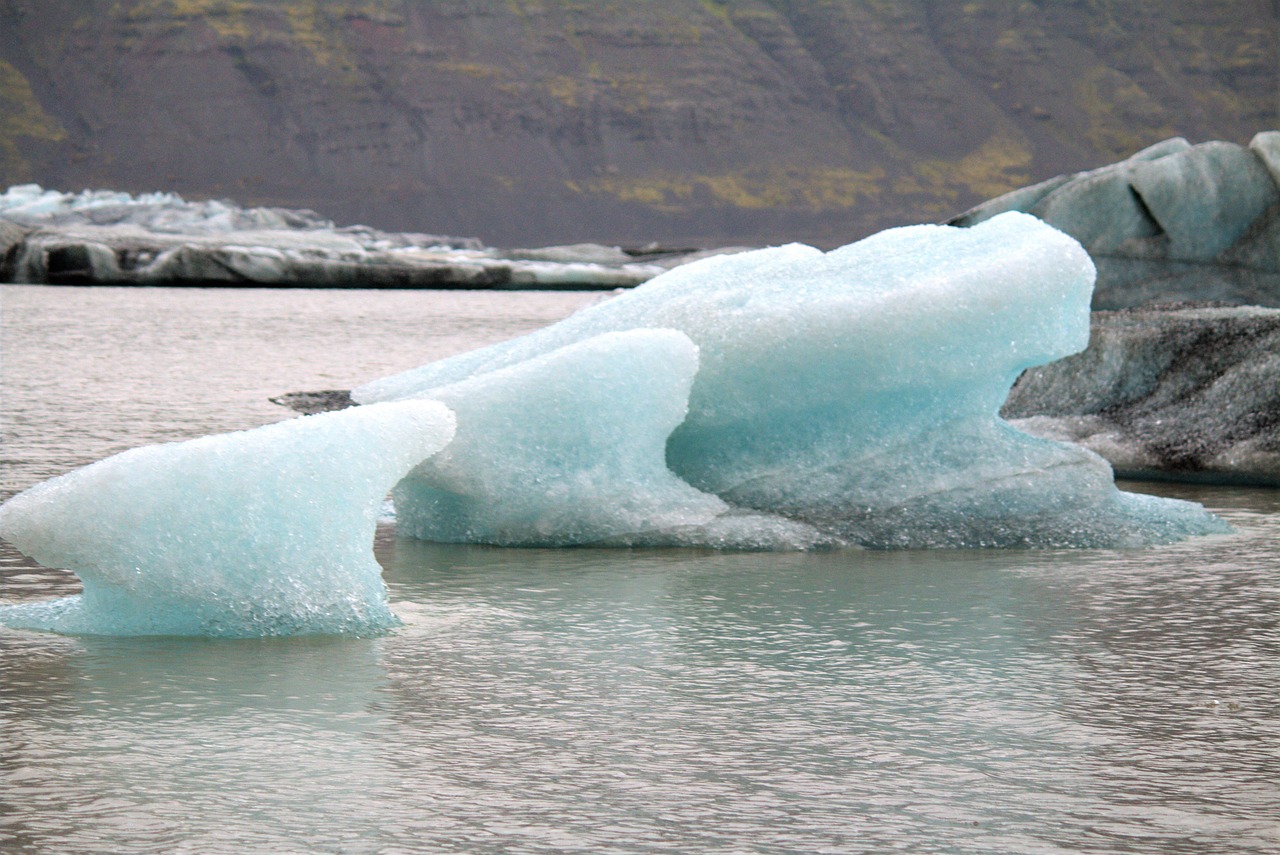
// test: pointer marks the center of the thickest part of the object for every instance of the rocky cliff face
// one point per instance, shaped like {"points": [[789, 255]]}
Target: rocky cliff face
{"points": [[550, 121]]}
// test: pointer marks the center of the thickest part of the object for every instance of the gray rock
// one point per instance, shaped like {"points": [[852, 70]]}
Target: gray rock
{"points": [[1173, 222], [1188, 393], [310, 403]]}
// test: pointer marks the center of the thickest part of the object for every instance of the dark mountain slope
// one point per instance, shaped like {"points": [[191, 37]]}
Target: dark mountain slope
{"points": [[681, 121]]}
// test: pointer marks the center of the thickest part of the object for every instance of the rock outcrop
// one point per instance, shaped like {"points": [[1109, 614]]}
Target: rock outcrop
{"points": [[1174, 222], [1179, 392], [310, 403]]}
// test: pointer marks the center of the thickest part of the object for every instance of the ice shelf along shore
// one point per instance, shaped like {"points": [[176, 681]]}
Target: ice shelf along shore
{"points": [[783, 398], [104, 237]]}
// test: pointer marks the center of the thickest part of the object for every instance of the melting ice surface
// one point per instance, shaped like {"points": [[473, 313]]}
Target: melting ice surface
{"points": [[848, 397], [261, 532], [780, 399], [569, 448]]}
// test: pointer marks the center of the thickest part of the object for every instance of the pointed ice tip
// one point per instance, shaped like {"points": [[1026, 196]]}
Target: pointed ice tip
{"points": [[260, 532]]}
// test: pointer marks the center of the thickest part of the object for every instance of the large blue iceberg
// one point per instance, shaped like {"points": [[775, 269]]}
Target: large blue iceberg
{"points": [[855, 393], [779, 399]]}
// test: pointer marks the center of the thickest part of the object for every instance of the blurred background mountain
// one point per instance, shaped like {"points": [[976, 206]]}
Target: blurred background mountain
{"points": [[683, 122]]}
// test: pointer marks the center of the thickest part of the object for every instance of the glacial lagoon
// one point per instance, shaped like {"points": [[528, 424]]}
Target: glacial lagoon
{"points": [[612, 700]]}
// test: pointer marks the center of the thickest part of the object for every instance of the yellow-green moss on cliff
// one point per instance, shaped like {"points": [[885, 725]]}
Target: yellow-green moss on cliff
{"points": [[21, 116], [1118, 113], [1000, 164], [311, 25], [810, 188]]}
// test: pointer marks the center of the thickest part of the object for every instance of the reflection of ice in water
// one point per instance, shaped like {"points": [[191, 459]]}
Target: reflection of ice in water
{"points": [[890, 695], [181, 744], [426, 618], [606, 701]]}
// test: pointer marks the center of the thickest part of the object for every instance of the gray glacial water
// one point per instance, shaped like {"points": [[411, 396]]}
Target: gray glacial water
{"points": [[612, 701]]}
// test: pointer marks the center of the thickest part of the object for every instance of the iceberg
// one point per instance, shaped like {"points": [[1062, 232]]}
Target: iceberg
{"points": [[783, 398], [569, 448], [103, 237], [34, 206], [1173, 222], [857, 391], [551, 452], [257, 533]]}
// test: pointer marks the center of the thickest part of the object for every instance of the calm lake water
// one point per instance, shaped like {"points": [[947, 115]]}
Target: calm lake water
{"points": [[611, 701]]}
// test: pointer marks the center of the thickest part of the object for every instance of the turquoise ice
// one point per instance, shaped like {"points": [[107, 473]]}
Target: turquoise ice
{"points": [[565, 448], [261, 532], [569, 448], [857, 391], [785, 398]]}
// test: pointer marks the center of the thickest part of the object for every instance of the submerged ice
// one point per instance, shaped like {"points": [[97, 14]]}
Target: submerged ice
{"points": [[779, 399]]}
